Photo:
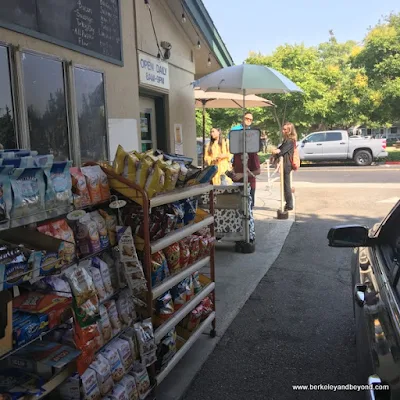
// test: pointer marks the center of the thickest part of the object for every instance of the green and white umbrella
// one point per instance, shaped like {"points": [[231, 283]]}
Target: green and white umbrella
{"points": [[246, 79]]}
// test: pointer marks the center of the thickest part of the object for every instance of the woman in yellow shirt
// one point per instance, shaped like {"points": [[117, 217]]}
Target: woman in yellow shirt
{"points": [[217, 153]]}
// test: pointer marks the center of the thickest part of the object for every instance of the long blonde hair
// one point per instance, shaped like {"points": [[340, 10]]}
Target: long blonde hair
{"points": [[292, 134]]}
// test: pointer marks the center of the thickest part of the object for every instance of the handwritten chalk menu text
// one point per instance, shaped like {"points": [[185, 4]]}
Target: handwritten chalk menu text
{"points": [[88, 26], [152, 71]]}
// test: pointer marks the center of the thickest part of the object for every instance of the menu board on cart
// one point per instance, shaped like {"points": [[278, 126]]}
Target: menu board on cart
{"points": [[87, 26]]}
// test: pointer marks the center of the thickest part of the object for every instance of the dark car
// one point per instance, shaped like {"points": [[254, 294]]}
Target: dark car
{"points": [[375, 278]]}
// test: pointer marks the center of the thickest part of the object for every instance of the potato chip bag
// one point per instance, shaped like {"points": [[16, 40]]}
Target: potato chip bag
{"points": [[79, 187], [130, 167], [155, 181], [143, 171], [119, 160], [184, 253], [172, 172], [172, 253], [104, 186], [93, 175]]}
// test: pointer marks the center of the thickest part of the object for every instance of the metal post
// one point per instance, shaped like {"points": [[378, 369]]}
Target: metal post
{"points": [[204, 132], [245, 176], [282, 184]]}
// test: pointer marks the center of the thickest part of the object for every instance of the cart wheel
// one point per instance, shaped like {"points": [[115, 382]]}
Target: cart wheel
{"points": [[248, 248], [238, 247], [213, 333]]}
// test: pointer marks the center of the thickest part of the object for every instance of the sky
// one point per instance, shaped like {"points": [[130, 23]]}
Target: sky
{"points": [[269, 24]]}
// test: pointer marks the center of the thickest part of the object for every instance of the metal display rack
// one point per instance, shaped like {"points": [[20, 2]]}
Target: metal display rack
{"points": [[132, 192]]}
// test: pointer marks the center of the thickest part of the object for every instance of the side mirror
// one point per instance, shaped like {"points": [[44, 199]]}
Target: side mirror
{"points": [[305, 141], [348, 236]]}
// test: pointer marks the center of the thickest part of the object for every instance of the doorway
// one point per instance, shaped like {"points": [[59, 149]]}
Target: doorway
{"points": [[148, 128]]}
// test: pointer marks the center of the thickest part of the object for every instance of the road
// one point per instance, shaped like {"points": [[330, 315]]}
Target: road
{"points": [[297, 326]]}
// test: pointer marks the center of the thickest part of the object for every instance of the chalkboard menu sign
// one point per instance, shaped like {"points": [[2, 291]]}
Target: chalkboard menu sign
{"points": [[87, 26]]}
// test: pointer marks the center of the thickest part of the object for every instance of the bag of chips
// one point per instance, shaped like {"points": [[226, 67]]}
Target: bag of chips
{"points": [[104, 269], [166, 350], [104, 186], [61, 184], [165, 306], [178, 294], [5, 194], [196, 283], [172, 172], [143, 171], [155, 181], [173, 253], [88, 236], [147, 345], [119, 160], [182, 175], [128, 381], [114, 360], [190, 210], [101, 228], [194, 244], [203, 247], [93, 176], [184, 254], [103, 372], [142, 380], [79, 188], [159, 268], [61, 230], [81, 283], [114, 317], [111, 225], [207, 308], [105, 324]]}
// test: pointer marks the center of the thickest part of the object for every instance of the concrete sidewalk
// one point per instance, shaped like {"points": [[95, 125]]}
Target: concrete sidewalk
{"points": [[237, 276]]}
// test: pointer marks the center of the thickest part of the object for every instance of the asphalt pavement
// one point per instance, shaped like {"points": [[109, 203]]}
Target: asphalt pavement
{"points": [[297, 326]]}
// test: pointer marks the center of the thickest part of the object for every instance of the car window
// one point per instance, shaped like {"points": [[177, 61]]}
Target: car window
{"points": [[316, 137], [333, 136]]}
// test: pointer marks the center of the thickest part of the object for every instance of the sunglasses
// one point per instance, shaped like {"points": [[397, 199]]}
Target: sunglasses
{"points": [[248, 119]]}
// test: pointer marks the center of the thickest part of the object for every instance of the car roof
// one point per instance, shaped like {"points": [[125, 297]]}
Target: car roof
{"points": [[335, 130]]}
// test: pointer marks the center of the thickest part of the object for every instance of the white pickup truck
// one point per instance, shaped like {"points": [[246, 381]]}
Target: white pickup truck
{"points": [[336, 146]]}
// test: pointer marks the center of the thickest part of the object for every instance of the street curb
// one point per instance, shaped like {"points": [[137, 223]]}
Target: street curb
{"points": [[392, 162]]}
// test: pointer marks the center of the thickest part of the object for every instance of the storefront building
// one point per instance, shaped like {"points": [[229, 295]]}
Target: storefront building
{"points": [[80, 77]]}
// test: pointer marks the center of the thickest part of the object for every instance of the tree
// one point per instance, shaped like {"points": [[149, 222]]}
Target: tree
{"points": [[199, 123]]}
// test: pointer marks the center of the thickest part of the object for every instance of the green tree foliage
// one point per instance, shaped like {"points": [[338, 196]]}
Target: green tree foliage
{"points": [[199, 123], [345, 84]]}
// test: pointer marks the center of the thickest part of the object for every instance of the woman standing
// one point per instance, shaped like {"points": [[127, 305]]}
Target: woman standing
{"points": [[286, 150], [217, 153]]}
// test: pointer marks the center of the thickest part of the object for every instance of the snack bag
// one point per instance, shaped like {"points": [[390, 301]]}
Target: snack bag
{"points": [[61, 230], [29, 192], [87, 313], [93, 176], [104, 186], [173, 253], [207, 308], [79, 188], [90, 386], [81, 283], [143, 171], [189, 288], [171, 175], [142, 380], [131, 167], [203, 247], [196, 283], [88, 236], [194, 248], [179, 210], [111, 225], [194, 318], [119, 160], [119, 393], [129, 382], [124, 351], [178, 293], [184, 254], [113, 315], [5, 194], [105, 325], [159, 269], [130, 336], [166, 350], [98, 282], [117, 369], [190, 210], [155, 181], [182, 175], [207, 174], [101, 227], [147, 345], [103, 372], [104, 269], [123, 309], [61, 183], [165, 306]]}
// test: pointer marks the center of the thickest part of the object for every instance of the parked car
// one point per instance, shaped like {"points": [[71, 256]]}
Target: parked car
{"points": [[336, 146], [375, 274]]}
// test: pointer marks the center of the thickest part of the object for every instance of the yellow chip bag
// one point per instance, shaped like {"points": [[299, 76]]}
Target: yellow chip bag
{"points": [[119, 160], [138, 155], [131, 166], [155, 181], [172, 172], [143, 171]]}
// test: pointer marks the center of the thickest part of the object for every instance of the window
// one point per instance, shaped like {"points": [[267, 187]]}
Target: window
{"points": [[316, 137], [43, 80], [333, 136], [7, 125], [145, 130], [393, 129], [90, 103]]}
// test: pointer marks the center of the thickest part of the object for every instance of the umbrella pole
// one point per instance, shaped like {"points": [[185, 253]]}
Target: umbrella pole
{"points": [[245, 176], [204, 132]]}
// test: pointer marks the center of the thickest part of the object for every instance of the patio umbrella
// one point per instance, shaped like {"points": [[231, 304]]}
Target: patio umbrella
{"points": [[225, 100], [246, 79]]}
